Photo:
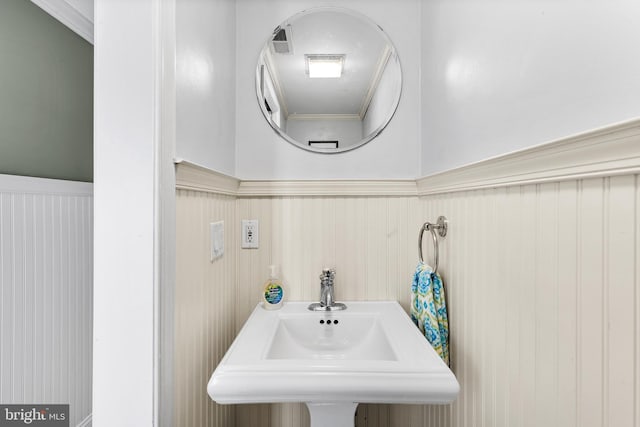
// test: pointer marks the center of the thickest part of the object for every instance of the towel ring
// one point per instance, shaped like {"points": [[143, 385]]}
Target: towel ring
{"points": [[441, 226]]}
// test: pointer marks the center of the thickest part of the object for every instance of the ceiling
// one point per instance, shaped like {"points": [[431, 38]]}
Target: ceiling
{"points": [[329, 32]]}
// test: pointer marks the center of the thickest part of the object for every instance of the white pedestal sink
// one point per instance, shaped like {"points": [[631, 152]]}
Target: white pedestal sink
{"points": [[369, 353]]}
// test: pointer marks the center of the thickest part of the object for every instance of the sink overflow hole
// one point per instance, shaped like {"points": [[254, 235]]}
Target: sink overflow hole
{"points": [[335, 322]]}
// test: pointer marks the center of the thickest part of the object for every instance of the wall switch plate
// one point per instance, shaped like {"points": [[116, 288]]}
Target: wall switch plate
{"points": [[250, 234], [217, 239]]}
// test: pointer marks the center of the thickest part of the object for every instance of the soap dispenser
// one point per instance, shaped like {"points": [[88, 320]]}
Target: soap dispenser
{"points": [[273, 294]]}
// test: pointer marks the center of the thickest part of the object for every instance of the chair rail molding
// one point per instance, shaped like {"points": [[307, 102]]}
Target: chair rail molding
{"points": [[190, 176], [608, 151], [327, 188]]}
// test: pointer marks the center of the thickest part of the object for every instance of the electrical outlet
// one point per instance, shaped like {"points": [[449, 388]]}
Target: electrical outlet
{"points": [[217, 239], [250, 234]]}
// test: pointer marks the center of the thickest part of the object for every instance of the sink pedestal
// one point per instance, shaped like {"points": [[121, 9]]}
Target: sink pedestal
{"points": [[332, 414]]}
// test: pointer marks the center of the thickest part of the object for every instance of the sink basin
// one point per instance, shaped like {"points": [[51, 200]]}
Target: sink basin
{"points": [[369, 353], [351, 336]]}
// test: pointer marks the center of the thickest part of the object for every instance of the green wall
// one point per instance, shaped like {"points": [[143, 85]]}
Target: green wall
{"points": [[46, 96]]}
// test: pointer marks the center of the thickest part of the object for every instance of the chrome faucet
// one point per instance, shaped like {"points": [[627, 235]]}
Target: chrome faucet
{"points": [[327, 302], [326, 287]]}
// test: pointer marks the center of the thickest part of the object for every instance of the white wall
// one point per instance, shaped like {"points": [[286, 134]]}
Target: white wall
{"points": [[501, 76], [134, 210], [262, 154], [205, 86], [480, 79], [346, 131]]}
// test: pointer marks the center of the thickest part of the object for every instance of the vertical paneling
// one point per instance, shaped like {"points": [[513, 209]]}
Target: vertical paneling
{"points": [[591, 306], [501, 317], [204, 305], [46, 258], [546, 304], [542, 288], [621, 289], [370, 241], [541, 281], [636, 371], [567, 326]]}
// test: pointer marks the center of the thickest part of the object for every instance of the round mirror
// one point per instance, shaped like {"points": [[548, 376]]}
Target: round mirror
{"points": [[328, 80]]}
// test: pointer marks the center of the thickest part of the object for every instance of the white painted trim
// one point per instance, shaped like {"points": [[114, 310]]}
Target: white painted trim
{"points": [[28, 184], [608, 151], [165, 244], [130, 146], [190, 176], [87, 422], [64, 12], [328, 188]]}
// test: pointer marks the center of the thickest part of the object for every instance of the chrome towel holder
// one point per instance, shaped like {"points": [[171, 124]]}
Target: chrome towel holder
{"points": [[441, 226]]}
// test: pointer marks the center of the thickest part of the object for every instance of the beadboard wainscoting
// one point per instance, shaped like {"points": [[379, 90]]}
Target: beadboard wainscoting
{"points": [[370, 241], [540, 266], [46, 293], [544, 306], [205, 300]]}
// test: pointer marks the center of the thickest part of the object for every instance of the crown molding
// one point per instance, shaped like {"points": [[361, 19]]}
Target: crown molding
{"points": [[328, 188], [66, 13], [190, 176], [607, 151]]}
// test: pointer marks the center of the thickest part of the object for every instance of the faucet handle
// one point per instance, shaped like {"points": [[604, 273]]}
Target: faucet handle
{"points": [[328, 273]]}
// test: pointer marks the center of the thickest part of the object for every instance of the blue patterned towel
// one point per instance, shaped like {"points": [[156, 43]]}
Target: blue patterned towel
{"points": [[429, 309]]}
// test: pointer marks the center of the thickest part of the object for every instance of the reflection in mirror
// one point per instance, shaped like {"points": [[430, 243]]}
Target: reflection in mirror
{"points": [[328, 80]]}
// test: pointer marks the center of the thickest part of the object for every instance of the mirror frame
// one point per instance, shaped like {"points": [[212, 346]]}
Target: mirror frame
{"points": [[396, 102]]}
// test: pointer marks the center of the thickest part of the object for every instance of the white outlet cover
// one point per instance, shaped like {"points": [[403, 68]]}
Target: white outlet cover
{"points": [[217, 239], [250, 234]]}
